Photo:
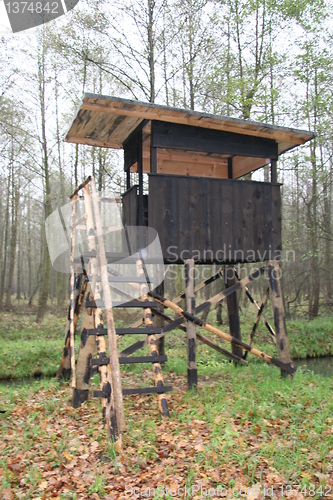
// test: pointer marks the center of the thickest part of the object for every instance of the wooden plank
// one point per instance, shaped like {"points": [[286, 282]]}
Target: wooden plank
{"points": [[226, 197], [130, 208], [155, 112], [217, 219], [277, 222], [148, 390], [230, 169], [88, 141], [258, 220], [192, 370], [72, 299], [233, 311], [247, 219], [175, 136], [185, 163], [268, 219], [276, 296]]}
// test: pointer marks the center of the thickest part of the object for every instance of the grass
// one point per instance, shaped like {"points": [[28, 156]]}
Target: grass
{"points": [[29, 349], [245, 427]]}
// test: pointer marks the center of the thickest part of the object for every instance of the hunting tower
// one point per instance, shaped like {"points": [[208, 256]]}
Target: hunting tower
{"points": [[197, 199]]}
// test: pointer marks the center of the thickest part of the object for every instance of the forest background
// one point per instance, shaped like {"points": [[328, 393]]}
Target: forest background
{"points": [[264, 60]]}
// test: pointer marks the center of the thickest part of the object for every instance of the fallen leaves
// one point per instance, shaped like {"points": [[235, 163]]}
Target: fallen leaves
{"points": [[54, 450]]}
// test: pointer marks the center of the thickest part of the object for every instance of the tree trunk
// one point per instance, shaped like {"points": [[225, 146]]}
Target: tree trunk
{"points": [[13, 239], [6, 233], [46, 268]]}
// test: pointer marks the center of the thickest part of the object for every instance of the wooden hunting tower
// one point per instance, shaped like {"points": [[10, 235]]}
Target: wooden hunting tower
{"points": [[201, 207], [195, 161]]}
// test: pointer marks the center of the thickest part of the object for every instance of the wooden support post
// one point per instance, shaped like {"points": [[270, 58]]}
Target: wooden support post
{"points": [[140, 172], [278, 314], [86, 353], [192, 371], [153, 153], [230, 169], [128, 179], [159, 322], [233, 313], [72, 300], [64, 371], [273, 171], [256, 323]]}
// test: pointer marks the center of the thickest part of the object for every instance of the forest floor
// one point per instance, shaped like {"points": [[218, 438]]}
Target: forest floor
{"points": [[245, 428]]}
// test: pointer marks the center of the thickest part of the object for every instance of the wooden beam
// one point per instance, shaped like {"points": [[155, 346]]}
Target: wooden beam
{"points": [[140, 172], [192, 371], [208, 122], [189, 138], [233, 312], [183, 163], [287, 367], [278, 314], [230, 170], [273, 171]]}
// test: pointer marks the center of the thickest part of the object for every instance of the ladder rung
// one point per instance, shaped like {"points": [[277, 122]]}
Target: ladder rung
{"points": [[142, 359], [131, 303], [130, 259], [123, 279], [125, 331], [138, 331], [100, 394], [148, 390], [115, 257], [100, 361], [130, 360], [100, 332], [78, 221]]}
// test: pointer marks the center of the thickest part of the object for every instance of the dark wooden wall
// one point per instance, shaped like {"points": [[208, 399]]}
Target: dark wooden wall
{"points": [[131, 207], [215, 220]]}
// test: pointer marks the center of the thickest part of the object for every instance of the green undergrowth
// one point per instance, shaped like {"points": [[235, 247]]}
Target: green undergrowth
{"points": [[29, 349]]}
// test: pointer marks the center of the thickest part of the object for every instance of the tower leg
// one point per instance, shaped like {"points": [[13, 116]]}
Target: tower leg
{"points": [[83, 367], [233, 313], [278, 313], [192, 372], [159, 322]]}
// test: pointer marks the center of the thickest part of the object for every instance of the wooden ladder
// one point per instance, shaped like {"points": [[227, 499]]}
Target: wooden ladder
{"points": [[110, 390]]}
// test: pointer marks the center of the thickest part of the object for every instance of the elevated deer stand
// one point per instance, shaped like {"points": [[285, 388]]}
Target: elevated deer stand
{"points": [[202, 211]]}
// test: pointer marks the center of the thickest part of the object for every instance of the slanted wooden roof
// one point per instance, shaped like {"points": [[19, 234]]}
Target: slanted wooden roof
{"points": [[108, 121]]}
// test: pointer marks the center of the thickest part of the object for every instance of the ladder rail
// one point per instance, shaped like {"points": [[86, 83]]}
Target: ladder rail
{"points": [[112, 339], [72, 298]]}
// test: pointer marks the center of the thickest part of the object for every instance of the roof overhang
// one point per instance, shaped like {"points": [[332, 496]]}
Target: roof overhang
{"points": [[107, 121]]}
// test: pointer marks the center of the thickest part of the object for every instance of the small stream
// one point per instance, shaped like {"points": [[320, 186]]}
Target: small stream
{"points": [[319, 366]]}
